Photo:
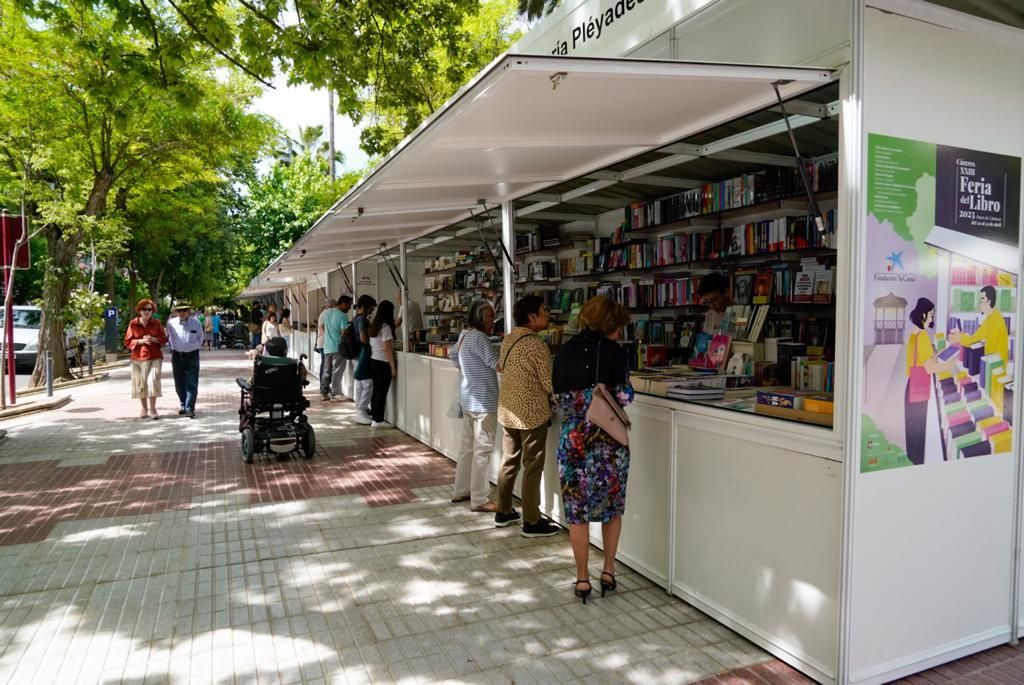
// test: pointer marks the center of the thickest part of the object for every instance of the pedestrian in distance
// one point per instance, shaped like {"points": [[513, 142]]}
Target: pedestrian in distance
{"points": [[255, 324], [144, 337], [335, 323], [524, 412], [361, 375], [284, 323], [185, 335], [215, 319], [382, 361], [477, 361], [592, 466], [269, 330], [208, 329]]}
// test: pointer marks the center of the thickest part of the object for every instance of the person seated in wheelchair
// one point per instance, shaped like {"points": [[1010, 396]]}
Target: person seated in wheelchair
{"points": [[277, 348], [275, 387]]}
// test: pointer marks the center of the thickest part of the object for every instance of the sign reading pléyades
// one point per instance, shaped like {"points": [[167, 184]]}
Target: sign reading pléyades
{"points": [[595, 25]]}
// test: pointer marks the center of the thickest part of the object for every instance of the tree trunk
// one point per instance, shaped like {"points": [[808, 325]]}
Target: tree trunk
{"points": [[133, 286], [108, 276], [61, 249]]}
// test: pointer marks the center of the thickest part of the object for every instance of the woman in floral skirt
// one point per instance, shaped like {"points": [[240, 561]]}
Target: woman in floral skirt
{"points": [[592, 466]]}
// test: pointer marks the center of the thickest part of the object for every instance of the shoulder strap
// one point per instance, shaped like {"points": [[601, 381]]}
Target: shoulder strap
{"points": [[512, 347]]}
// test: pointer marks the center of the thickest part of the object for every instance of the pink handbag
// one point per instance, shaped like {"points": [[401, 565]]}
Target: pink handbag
{"points": [[605, 413]]}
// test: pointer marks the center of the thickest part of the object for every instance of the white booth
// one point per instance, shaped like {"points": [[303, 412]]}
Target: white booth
{"points": [[858, 552]]}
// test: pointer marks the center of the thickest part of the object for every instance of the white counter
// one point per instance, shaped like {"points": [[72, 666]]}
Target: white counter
{"points": [[738, 514]]}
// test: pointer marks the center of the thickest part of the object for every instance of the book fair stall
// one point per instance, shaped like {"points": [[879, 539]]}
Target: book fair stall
{"points": [[824, 455]]}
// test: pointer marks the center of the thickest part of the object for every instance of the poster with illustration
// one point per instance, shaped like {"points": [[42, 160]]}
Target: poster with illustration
{"points": [[943, 230]]}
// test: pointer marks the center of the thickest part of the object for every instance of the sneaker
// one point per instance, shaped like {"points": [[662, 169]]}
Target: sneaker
{"points": [[363, 420], [542, 529], [501, 520], [336, 398], [325, 398], [182, 411], [379, 424]]}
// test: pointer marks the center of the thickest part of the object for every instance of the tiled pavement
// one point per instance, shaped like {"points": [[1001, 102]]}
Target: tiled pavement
{"points": [[145, 552]]}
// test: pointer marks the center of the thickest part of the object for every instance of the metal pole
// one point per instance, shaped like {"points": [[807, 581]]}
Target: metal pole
{"points": [[8, 275], [355, 281], [402, 266], [309, 330], [7, 323], [49, 374], [508, 275]]}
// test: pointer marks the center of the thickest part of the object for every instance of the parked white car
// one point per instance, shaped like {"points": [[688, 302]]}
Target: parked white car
{"points": [[26, 336]]}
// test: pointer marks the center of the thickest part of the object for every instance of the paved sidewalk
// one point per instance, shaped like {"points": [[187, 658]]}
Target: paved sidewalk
{"points": [[138, 551]]}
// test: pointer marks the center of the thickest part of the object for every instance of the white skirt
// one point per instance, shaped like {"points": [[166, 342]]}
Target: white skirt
{"points": [[146, 378]]}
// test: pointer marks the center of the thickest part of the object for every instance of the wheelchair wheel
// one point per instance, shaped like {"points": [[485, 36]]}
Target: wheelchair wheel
{"points": [[309, 443], [248, 445]]}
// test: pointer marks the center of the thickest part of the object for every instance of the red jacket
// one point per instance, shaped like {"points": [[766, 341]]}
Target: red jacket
{"points": [[133, 339]]}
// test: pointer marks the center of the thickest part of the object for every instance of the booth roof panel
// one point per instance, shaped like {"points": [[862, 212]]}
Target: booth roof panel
{"points": [[526, 123]]}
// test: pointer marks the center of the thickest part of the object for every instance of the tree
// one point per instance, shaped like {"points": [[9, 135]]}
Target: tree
{"points": [[280, 206], [535, 9], [89, 115], [396, 111]]}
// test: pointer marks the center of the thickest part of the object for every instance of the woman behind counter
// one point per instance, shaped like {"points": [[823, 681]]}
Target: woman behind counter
{"points": [[144, 337], [592, 467]]}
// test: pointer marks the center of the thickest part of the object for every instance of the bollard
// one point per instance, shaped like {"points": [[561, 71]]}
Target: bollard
{"points": [[49, 375], [90, 356]]}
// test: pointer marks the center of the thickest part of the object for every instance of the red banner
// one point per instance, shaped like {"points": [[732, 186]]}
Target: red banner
{"points": [[10, 232]]}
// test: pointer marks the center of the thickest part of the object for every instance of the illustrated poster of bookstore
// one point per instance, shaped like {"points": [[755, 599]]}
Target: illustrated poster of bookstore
{"points": [[942, 258]]}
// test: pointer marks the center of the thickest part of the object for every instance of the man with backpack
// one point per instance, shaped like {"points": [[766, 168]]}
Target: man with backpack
{"points": [[335, 323]]}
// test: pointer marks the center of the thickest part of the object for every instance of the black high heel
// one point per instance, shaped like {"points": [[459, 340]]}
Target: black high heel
{"points": [[608, 586], [582, 594]]}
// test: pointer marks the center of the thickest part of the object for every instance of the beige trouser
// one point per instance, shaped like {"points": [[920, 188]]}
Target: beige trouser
{"points": [[472, 473], [525, 447]]}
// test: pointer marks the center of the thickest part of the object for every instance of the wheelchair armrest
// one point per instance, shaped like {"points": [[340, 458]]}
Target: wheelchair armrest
{"points": [[243, 384]]}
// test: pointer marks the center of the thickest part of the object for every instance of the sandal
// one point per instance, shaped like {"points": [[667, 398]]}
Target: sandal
{"points": [[489, 507]]}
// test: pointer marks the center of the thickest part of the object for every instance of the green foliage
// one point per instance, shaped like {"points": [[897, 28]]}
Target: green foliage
{"points": [[396, 110], [85, 311], [535, 9], [280, 206]]}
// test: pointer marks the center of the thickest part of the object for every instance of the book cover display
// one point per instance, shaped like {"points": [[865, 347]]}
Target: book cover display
{"points": [[942, 253]]}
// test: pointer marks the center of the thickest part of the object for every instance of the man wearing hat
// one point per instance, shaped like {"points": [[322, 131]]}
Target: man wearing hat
{"points": [[185, 336]]}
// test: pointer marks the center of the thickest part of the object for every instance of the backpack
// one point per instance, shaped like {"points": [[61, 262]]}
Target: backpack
{"points": [[351, 345]]}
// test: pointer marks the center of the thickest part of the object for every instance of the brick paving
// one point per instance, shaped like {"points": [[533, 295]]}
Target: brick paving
{"points": [[137, 551]]}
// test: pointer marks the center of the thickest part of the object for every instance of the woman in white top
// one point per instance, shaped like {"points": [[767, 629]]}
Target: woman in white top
{"points": [[382, 360], [270, 328], [286, 323]]}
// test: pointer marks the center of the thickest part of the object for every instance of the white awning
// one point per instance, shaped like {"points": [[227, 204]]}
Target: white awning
{"points": [[523, 124]]}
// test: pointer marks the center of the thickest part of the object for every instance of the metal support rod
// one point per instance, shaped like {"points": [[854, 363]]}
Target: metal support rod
{"points": [[403, 265], [354, 282], [310, 330], [348, 282], [49, 374], [395, 276], [501, 241], [815, 209], [508, 276]]}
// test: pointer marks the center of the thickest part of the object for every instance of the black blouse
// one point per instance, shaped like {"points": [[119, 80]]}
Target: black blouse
{"points": [[577, 363]]}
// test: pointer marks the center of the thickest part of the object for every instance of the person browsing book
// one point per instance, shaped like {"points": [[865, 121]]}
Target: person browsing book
{"points": [[477, 361], [592, 466], [524, 411], [713, 291]]}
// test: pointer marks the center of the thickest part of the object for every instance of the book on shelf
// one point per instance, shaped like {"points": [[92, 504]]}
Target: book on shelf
{"points": [[742, 287], [762, 290], [823, 284]]}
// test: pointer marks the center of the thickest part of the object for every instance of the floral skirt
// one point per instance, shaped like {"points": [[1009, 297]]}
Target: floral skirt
{"points": [[592, 470]]}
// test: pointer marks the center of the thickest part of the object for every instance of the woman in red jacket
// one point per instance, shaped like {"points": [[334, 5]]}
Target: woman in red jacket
{"points": [[144, 337]]}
